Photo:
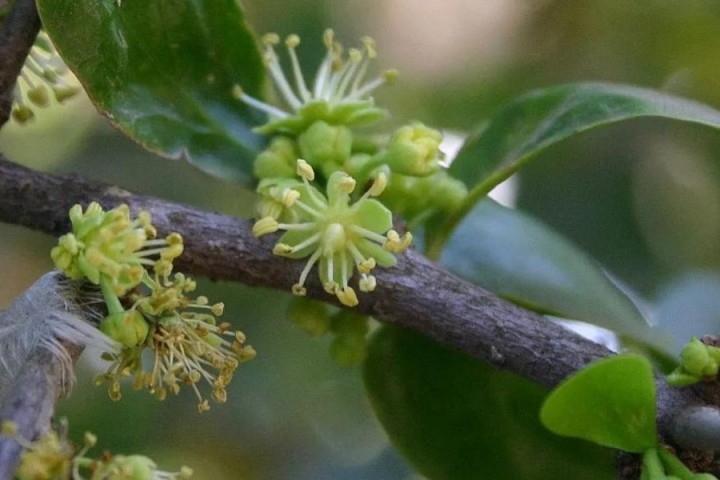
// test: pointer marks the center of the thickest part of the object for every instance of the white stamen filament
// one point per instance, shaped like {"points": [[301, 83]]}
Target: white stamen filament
{"points": [[375, 237], [299, 78], [307, 242], [308, 266], [262, 106]]}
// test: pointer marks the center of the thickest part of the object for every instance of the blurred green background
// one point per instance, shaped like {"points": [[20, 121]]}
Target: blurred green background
{"points": [[642, 197]]}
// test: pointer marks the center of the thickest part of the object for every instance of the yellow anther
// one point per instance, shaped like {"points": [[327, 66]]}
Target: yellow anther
{"points": [[270, 39], [347, 184], [390, 76], [369, 44], [299, 290], [367, 283], [264, 226], [355, 55], [379, 184], [304, 170], [237, 92], [89, 439], [395, 244], [366, 265], [329, 38], [282, 249], [289, 197], [292, 41], [347, 296]]}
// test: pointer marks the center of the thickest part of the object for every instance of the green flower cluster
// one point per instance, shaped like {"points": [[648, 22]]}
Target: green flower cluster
{"points": [[348, 329], [328, 215], [52, 457], [698, 361], [661, 464], [187, 344]]}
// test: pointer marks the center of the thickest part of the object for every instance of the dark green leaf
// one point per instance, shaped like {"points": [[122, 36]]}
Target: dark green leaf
{"points": [[534, 121], [531, 123], [163, 72], [611, 402], [522, 260], [456, 418]]}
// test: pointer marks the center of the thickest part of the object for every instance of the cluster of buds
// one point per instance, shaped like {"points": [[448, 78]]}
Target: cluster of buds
{"points": [[698, 361], [43, 74], [349, 330], [326, 219], [148, 307], [52, 457]]}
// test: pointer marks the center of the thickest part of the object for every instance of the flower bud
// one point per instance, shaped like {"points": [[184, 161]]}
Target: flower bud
{"points": [[324, 144], [130, 467], [129, 328], [695, 357], [310, 315], [414, 150], [278, 160]]}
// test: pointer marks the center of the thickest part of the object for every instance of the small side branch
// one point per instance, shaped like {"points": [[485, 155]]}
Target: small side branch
{"points": [[30, 403]]}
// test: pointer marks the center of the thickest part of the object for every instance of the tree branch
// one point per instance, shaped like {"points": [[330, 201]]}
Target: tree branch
{"points": [[415, 294], [37, 357], [17, 34]]}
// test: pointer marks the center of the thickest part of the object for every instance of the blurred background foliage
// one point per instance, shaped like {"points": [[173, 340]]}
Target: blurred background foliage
{"points": [[642, 197]]}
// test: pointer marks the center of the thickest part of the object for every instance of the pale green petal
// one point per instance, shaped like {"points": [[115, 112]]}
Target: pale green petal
{"points": [[372, 215], [370, 249]]}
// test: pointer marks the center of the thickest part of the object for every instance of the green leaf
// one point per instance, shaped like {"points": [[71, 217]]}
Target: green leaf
{"points": [[163, 72], [610, 402], [520, 259], [529, 124], [456, 418]]}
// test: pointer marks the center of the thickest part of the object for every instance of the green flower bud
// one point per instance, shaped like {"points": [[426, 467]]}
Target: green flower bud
{"points": [[310, 315], [695, 357], [679, 378], [278, 160], [131, 467], [348, 351], [350, 324], [129, 328], [414, 150], [324, 144]]}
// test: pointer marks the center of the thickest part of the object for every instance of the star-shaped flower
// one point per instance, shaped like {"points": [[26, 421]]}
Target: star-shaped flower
{"points": [[340, 94], [335, 233]]}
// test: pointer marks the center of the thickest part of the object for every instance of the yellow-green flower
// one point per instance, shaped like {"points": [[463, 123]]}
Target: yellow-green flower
{"points": [[48, 458], [335, 233], [187, 344], [340, 95], [112, 247], [44, 73]]}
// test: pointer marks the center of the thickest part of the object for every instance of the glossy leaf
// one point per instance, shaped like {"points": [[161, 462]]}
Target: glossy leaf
{"points": [[532, 122], [611, 403], [456, 418], [163, 73], [522, 260]]}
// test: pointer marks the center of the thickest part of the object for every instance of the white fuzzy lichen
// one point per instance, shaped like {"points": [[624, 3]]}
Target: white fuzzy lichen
{"points": [[53, 312]]}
